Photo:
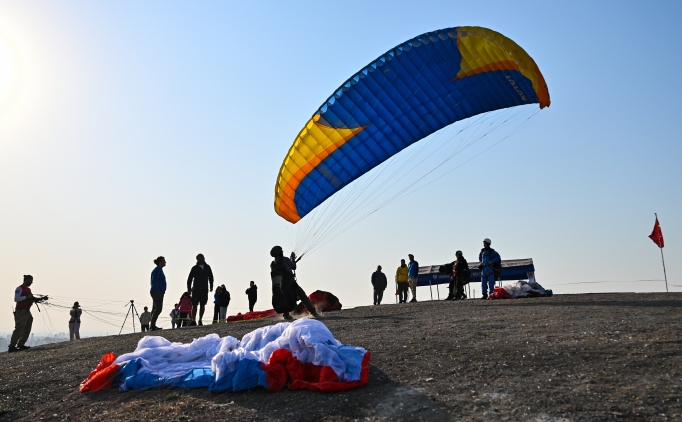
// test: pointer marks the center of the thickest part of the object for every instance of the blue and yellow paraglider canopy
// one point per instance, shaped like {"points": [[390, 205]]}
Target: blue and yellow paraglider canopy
{"points": [[411, 91]]}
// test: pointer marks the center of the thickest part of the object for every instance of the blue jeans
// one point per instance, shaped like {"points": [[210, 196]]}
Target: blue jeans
{"points": [[487, 282]]}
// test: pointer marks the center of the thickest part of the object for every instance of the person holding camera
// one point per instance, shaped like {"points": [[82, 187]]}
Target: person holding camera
{"points": [[23, 320]]}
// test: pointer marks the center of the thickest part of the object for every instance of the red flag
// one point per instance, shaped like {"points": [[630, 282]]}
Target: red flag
{"points": [[657, 235]]}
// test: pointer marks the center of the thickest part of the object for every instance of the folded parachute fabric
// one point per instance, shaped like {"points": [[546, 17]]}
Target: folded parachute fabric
{"points": [[520, 290], [252, 315], [301, 355]]}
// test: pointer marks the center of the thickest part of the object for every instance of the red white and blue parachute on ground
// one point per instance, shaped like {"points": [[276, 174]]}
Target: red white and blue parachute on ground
{"points": [[302, 355]]}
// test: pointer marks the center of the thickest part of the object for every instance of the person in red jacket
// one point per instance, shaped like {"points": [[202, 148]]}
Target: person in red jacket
{"points": [[23, 320]]}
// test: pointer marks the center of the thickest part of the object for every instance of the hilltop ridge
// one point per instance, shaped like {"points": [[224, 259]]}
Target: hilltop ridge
{"points": [[568, 357]]}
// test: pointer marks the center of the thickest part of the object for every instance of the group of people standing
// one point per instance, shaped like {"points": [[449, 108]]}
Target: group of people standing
{"points": [[490, 264], [193, 301], [405, 278]]}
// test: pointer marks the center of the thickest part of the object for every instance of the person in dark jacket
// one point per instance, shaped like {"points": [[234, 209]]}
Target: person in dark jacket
{"points": [[285, 267], [252, 293], [158, 290], [460, 275], [199, 282], [379, 282], [216, 305], [224, 302], [75, 322]]}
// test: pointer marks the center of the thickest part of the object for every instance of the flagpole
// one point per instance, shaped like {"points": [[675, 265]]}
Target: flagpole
{"points": [[665, 276]]}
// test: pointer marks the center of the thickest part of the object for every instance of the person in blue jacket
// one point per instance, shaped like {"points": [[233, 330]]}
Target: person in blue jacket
{"points": [[412, 274], [489, 261], [158, 290]]}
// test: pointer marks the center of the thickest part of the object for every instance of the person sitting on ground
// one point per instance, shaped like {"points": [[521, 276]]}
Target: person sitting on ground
{"points": [[412, 275], [401, 281], [224, 302], [145, 318], [185, 308], [379, 283], [175, 317], [286, 267], [75, 322], [490, 261], [23, 320], [199, 283], [252, 293]]}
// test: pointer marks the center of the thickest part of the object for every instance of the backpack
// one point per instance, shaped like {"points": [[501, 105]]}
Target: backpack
{"points": [[446, 269], [466, 275]]}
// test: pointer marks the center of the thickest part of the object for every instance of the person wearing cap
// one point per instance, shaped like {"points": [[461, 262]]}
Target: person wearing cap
{"points": [[401, 281], [75, 322], [23, 320], [412, 274], [488, 260], [145, 318], [379, 282], [460, 275]]}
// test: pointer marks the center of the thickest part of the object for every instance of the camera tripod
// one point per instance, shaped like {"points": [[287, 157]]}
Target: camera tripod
{"points": [[132, 311]]}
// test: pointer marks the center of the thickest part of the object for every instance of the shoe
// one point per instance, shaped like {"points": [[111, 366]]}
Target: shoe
{"points": [[484, 297], [200, 323], [11, 349], [464, 297], [23, 347], [215, 322], [449, 297], [413, 300], [457, 298], [156, 328], [288, 317], [192, 324]]}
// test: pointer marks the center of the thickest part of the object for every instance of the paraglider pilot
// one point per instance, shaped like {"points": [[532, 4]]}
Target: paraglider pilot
{"points": [[285, 287], [23, 320]]}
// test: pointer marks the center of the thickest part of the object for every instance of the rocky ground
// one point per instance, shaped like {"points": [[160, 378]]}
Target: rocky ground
{"points": [[569, 357]]}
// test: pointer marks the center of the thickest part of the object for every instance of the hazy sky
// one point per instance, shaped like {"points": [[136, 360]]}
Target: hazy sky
{"points": [[130, 130]]}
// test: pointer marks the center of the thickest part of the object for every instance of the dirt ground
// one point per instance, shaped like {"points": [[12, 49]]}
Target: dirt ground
{"points": [[569, 357]]}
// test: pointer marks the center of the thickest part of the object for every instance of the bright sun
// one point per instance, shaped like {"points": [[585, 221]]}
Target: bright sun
{"points": [[6, 69]]}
